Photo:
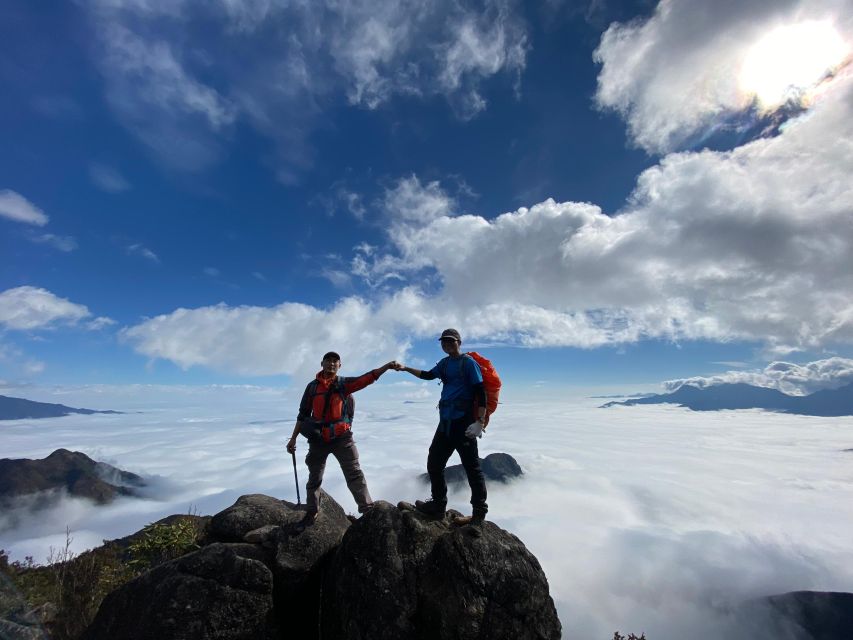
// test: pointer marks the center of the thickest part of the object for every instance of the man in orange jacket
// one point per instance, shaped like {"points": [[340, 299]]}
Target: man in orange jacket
{"points": [[325, 419]]}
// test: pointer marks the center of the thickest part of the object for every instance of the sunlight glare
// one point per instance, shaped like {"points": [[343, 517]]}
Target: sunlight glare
{"points": [[790, 60]]}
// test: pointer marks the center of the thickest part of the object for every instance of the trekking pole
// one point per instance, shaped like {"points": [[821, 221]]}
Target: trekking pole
{"points": [[296, 477]]}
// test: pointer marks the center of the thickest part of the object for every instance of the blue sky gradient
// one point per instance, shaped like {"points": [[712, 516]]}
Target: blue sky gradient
{"points": [[197, 193]]}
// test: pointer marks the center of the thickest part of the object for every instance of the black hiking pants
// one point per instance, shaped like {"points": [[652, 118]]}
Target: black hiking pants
{"points": [[444, 443]]}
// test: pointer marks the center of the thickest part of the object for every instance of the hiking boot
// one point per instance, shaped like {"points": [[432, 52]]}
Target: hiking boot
{"points": [[431, 508], [476, 519], [308, 519]]}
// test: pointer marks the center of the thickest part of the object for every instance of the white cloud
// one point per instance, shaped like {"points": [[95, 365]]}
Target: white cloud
{"points": [[411, 201], [482, 46], [99, 323], [17, 208], [285, 339], [337, 277], [678, 74], [63, 243], [155, 96], [139, 250], [276, 64], [794, 379], [751, 244], [108, 178], [213, 272], [26, 308], [666, 511]]}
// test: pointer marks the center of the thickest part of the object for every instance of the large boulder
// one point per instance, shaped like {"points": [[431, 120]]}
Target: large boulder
{"points": [[398, 574], [222, 591], [499, 467]]}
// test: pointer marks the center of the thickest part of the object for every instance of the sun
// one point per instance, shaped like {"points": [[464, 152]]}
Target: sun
{"points": [[790, 60]]}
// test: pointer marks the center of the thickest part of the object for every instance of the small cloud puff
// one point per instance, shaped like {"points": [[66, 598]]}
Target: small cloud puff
{"points": [[15, 207]]}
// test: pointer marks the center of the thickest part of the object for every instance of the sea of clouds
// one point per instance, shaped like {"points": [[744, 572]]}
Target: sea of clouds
{"points": [[653, 519]]}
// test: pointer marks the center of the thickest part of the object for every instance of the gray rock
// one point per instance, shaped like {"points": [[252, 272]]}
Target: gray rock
{"points": [[300, 558], [500, 467], [249, 513], [420, 578], [296, 554], [391, 574], [221, 591]]}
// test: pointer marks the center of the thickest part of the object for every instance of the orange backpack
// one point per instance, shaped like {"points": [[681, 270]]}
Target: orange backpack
{"points": [[491, 383]]}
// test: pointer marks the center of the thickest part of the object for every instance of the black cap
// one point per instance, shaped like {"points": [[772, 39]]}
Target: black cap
{"points": [[331, 356], [451, 333]]}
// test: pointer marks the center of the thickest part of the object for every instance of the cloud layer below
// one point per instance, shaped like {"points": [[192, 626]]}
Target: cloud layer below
{"points": [[651, 519]]}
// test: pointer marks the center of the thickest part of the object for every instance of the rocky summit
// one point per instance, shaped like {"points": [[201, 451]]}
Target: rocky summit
{"points": [[393, 573]]}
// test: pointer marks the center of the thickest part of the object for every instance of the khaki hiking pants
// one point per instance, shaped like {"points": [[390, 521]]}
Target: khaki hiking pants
{"points": [[344, 449]]}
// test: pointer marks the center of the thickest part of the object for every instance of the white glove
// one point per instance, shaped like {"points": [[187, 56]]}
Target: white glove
{"points": [[474, 430]]}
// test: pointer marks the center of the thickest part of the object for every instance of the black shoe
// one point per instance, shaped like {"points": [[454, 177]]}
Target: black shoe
{"points": [[431, 508], [308, 519]]}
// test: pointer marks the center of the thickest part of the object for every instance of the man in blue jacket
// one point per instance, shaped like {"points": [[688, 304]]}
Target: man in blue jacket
{"points": [[462, 411]]}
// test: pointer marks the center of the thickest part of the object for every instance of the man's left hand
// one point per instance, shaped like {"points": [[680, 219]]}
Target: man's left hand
{"points": [[474, 430]]}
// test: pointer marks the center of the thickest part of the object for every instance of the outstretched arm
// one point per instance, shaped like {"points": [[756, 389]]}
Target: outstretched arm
{"points": [[418, 373], [355, 384]]}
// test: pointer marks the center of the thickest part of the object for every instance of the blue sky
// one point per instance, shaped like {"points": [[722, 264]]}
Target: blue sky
{"points": [[595, 193]]}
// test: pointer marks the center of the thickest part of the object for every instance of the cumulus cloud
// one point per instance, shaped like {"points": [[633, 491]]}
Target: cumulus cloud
{"points": [[31, 308], [108, 178], [180, 90], [15, 207], [26, 308], [787, 377], [679, 73], [285, 339], [749, 244]]}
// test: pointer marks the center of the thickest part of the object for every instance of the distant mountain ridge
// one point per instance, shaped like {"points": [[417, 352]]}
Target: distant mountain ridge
{"points": [[70, 471], [827, 402], [21, 409]]}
